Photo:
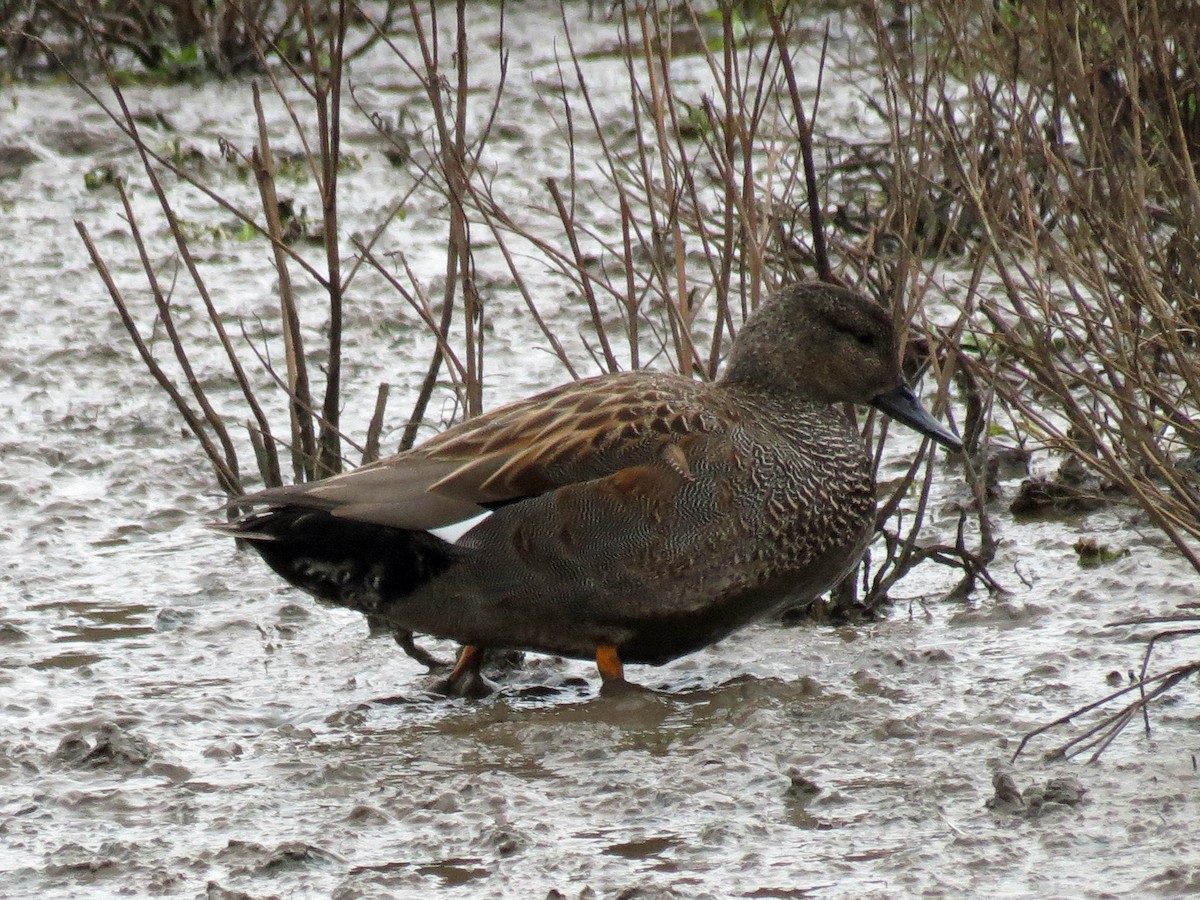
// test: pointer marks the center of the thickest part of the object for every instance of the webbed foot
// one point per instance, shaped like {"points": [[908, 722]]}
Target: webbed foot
{"points": [[466, 680], [613, 674]]}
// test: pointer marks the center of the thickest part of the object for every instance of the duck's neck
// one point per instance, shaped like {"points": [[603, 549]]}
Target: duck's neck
{"points": [[794, 411], [768, 396]]}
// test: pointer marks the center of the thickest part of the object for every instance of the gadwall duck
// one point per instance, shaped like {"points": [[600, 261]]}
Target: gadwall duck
{"points": [[633, 517]]}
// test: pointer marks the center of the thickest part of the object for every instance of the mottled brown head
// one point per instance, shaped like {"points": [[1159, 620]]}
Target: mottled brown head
{"points": [[827, 344], [818, 342]]}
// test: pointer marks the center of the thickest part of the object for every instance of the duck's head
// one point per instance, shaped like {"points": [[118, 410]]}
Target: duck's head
{"points": [[825, 343]]}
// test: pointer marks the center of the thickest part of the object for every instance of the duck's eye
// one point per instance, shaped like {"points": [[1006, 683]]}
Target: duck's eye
{"points": [[864, 338]]}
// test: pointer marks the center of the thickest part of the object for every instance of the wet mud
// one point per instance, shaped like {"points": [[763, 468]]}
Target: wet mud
{"points": [[175, 722]]}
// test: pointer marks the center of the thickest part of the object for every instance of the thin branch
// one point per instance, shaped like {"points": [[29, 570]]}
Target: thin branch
{"points": [[226, 476]]}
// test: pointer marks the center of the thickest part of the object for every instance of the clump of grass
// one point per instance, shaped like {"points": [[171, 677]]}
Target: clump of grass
{"points": [[1048, 156]]}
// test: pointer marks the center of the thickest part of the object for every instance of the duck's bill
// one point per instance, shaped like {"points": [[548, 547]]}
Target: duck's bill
{"points": [[902, 405]]}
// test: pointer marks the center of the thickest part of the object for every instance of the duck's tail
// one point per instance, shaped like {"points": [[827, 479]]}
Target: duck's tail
{"points": [[358, 565]]}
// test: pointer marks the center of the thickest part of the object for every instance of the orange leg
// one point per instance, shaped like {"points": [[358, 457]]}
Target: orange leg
{"points": [[466, 680], [609, 664], [469, 661]]}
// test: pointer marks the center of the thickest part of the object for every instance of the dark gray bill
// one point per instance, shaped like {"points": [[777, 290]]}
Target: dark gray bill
{"points": [[902, 405]]}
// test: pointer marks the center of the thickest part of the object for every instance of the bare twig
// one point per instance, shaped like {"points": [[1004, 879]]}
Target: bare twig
{"points": [[225, 475], [304, 447]]}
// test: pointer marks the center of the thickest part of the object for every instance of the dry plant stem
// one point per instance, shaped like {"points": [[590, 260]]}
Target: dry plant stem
{"points": [[300, 400], [497, 221], [608, 156], [904, 554], [302, 80], [1049, 364], [500, 222], [903, 559], [658, 229], [264, 459], [684, 202], [460, 226], [226, 34], [304, 447], [164, 313], [370, 451], [322, 82], [421, 178], [105, 31], [429, 79], [530, 304], [1108, 728], [1157, 620], [128, 126], [1154, 639], [585, 282], [311, 411], [441, 332], [745, 227], [567, 217], [451, 144], [662, 207], [1175, 525], [420, 305], [646, 231], [686, 359], [730, 225], [429, 383], [631, 293], [739, 133], [227, 477], [126, 122], [739, 232], [327, 81], [816, 227], [1083, 240]]}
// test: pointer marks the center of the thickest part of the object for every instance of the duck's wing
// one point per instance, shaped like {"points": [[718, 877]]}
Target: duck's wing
{"points": [[577, 432]]}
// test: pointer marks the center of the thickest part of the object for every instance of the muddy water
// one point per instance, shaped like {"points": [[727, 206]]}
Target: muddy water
{"points": [[173, 721]]}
